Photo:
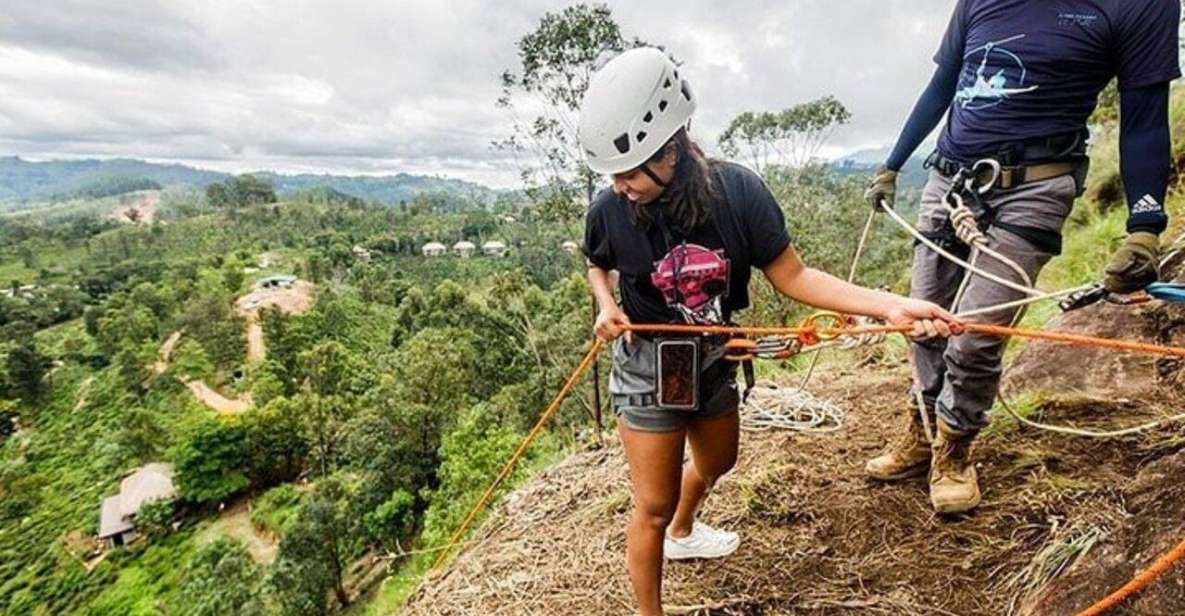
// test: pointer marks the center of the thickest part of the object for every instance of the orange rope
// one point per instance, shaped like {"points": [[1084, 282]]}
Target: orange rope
{"points": [[1137, 583], [1004, 332], [589, 358]]}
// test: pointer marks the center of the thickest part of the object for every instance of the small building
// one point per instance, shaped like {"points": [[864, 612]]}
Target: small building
{"points": [[280, 281], [433, 249], [570, 247], [117, 514], [464, 249], [494, 248], [360, 253]]}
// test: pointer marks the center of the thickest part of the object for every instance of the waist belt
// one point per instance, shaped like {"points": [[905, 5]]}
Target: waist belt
{"points": [[1011, 176]]}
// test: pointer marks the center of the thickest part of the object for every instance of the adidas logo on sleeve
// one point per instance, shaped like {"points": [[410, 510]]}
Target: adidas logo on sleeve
{"points": [[1146, 205]]}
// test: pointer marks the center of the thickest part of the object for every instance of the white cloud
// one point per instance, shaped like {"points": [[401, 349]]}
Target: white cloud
{"points": [[383, 87]]}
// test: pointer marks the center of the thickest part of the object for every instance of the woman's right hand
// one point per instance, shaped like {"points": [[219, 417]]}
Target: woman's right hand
{"points": [[611, 323]]}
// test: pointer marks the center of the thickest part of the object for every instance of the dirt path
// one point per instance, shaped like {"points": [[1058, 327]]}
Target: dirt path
{"points": [[296, 299], [235, 522], [255, 347], [217, 401], [166, 352]]}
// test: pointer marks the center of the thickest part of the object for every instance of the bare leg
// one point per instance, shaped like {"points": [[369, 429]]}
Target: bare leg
{"points": [[713, 453], [654, 460]]}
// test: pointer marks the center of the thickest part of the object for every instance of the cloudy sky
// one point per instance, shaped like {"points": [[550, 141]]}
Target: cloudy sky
{"points": [[399, 86]]}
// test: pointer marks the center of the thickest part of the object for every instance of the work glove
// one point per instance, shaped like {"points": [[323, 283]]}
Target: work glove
{"points": [[883, 186], [1135, 265]]}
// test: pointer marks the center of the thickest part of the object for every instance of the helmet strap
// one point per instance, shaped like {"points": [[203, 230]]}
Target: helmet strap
{"points": [[652, 175]]}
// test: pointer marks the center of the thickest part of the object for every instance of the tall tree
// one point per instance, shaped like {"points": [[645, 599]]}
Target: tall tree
{"points": [[315, 550], [556, 62], [791, 137]]}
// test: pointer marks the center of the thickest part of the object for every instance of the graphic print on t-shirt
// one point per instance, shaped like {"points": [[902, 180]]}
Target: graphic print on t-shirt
{"points": [[693, 280], [1008, 74]]}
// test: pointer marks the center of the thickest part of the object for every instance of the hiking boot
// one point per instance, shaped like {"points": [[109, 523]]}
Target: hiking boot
{"points": [[908, 455], [954, 484]]}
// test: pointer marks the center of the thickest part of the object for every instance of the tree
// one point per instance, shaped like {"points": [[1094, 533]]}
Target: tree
{"points": [[155, 517], [472, 455], [392, 519], [8, 418], [557, 61], [276, 442], [240, 191], [314, 552], [222, 579], [141, 433], [210, 461], [26, 368], [792, 136]]}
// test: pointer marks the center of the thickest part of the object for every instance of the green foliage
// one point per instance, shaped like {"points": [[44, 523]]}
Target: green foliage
{"points": [[791, 137], [315, 551], [471, 456], [155, 517], [25, 369], [275, 441], [240, 192], [210, 461], [276, 509], [114, 186], [392, 519], [222, 579]]}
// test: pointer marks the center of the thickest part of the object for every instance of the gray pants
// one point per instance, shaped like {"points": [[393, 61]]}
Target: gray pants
{"points": [[960, 377]]}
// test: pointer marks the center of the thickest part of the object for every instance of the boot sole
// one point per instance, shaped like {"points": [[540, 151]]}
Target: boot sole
{"points": [[960, 508], [921, 468]]}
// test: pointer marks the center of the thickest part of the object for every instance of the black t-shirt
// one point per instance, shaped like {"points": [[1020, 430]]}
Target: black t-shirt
{"points": [[698, 277], [1034, 68]]}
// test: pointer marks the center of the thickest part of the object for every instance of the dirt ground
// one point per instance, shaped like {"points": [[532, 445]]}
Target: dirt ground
{"points": [[818, 538], [296, 299], [141, 211], [235, 522]]}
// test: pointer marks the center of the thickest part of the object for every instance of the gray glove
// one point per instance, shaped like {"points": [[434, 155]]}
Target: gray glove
{"points": [[882, 187], [1135, 265]]}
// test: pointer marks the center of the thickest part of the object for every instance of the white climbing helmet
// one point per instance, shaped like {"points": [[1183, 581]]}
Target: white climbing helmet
{"points": [[633, 105]]}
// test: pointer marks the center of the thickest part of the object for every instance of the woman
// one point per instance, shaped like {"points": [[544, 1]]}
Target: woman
{"points": [[683, 232]]}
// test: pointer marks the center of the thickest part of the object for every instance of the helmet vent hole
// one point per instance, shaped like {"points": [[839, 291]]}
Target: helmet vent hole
{"points": [[686, 90], [676, 74], [622, 143], [662, 106], [640, 137], [666, 84], [648, 117]]}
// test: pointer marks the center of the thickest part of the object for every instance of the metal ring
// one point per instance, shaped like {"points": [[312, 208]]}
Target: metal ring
{"points": [[994, 166], [839, 321]]}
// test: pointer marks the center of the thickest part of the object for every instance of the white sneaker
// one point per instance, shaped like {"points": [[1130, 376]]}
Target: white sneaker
{"points": [[703, 542]]}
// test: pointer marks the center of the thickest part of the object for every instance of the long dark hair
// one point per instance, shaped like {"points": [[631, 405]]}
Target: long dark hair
{"points": [[691, 195]]}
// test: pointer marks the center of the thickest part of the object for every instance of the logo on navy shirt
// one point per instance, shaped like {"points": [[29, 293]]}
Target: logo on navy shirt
{"points": [[1084, 20], [1000, 74]]}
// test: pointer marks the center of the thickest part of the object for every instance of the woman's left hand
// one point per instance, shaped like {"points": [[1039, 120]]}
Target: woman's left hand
{"points": [[928, 319]]}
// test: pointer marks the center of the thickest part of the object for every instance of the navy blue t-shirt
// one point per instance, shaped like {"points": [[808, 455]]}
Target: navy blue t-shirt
{"points": [[1034, 68], [747, 230]]}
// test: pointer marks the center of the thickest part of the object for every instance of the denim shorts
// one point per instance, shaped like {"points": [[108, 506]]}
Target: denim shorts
{"points": [[632, 386]]}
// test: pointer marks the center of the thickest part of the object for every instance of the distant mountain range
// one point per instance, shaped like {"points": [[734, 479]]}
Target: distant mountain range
{"points": [[23, 180], [865, 162]]}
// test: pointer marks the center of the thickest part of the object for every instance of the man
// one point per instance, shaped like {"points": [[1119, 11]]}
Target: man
{"points": [[1018, 80]]}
